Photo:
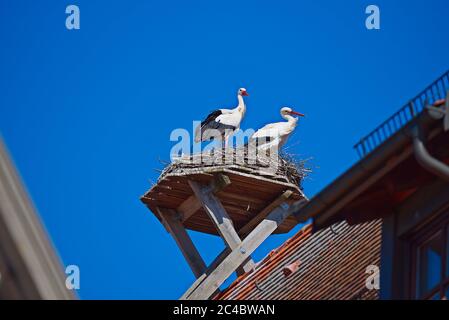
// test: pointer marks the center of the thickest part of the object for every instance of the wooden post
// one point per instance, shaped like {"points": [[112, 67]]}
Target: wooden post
{"points": [[183, 240], [239, 254], [221, 220]]}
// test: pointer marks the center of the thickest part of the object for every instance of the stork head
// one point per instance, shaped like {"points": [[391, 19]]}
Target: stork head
{"points": [[288, 111], [243, 92]]}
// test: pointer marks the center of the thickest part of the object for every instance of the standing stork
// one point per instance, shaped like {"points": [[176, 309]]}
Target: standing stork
{"points": [[276, 134], [222, 121]]}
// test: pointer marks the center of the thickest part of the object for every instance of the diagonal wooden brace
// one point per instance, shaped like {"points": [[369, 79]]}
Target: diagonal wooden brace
{"points": [[208, 271], [221, 220], [238, 255], [183, 240], [243, 232]]}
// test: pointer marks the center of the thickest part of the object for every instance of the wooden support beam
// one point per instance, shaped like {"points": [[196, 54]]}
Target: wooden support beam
{"points": [[171, 221], [188, 207], [192, 204], [209, 270], [217, 214], [220, 218], [238, 255], [249, 226], [246, 229]]}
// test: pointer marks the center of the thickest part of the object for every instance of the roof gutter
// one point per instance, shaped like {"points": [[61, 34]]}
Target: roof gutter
{"points": [[370, 169]]}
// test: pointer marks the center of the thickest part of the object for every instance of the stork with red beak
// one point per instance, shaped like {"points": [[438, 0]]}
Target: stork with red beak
{"points": [[222, 121], [275, 135]]}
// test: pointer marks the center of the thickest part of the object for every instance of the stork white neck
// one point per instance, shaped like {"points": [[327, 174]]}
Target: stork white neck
{"points": [[241, 106]]}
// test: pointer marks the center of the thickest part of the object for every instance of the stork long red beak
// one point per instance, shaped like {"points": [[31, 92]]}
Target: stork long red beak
{"points": [[244, 93], [297, 114]]}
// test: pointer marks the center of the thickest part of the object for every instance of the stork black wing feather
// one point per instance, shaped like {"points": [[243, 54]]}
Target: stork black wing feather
{"points": [[209, 122], [204, 132], [211, 117]]}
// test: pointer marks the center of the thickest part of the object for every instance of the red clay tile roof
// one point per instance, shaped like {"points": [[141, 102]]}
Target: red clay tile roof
{"points": [[332, 265]]}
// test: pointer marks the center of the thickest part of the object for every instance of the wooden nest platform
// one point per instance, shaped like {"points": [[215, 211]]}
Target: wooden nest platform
{"points": [[243, 189]]}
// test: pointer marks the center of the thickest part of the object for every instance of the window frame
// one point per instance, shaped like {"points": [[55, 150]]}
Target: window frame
{"points": [[418, 241]]}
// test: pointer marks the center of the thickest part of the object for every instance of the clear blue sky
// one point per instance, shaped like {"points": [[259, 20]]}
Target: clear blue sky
{"points": [[86, 114]]}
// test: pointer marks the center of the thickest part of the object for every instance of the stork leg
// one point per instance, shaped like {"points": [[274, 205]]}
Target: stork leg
{"points": [[223, 141], [223, 147]]}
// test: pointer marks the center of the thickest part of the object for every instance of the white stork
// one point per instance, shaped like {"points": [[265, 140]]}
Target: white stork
{"points": [[222, 121], [276, 134]]}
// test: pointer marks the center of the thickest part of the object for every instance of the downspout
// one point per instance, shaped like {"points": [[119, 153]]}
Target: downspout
{"points": [[424, 158]]}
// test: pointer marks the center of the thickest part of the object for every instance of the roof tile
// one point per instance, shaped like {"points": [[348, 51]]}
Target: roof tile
{"points": [[332, 265]]}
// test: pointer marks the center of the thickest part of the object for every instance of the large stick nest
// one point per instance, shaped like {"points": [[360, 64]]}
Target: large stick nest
{"points": [[280, 167]]}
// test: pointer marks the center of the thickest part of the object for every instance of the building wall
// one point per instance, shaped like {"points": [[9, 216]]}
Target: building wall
{"points": [[29, 265], [403, 231]]}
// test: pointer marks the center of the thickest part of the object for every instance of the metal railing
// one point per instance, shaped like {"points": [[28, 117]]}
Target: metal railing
{"points": [[436, 91]]}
